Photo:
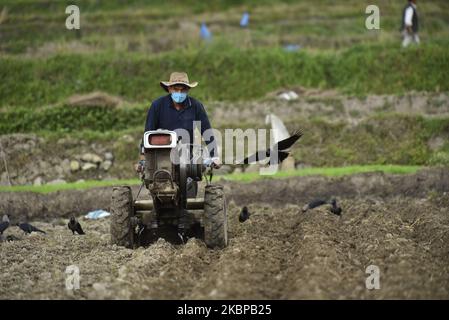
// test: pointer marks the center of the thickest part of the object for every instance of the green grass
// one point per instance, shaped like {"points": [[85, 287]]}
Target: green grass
{"points": [[224, 73], [242, 177], [380, 139], [139, 25], [72, 119], [329, 172]]}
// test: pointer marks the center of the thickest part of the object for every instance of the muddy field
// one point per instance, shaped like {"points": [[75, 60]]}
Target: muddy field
{"points": [[398, 223]]}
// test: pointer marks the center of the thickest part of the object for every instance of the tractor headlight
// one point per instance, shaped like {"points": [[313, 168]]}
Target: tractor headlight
{"points": [[159, 139]]}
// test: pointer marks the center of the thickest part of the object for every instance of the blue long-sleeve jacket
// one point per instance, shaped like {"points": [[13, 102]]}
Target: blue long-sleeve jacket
{"points": [[163, 115]]}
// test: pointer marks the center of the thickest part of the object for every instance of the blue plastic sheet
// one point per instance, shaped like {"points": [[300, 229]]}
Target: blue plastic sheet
{"points": [[97, 214]]}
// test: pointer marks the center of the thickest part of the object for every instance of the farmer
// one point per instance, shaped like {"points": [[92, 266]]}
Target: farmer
{"points": [[178, 110], [410, 24]]}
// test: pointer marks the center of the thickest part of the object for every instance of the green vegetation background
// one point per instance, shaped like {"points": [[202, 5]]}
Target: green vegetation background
{"points": [[125, 48]]}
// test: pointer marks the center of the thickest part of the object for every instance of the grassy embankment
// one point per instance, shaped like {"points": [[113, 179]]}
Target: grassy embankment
{"points": [[243, 177]]}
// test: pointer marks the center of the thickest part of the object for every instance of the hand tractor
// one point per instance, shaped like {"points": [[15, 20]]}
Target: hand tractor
{"points": [[170, 174]]}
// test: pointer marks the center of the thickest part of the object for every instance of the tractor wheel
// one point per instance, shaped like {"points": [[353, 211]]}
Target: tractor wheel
{"points": [[122, 232], [215, 217]]}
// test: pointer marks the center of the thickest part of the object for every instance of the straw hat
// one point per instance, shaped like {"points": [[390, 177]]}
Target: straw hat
{"points": [[178, 78]]}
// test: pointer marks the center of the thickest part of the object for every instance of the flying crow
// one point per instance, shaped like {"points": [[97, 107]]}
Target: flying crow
{"points": [[28, 228], [335, 209], [244, 214], [4, 224], [75, 226], [277, 153]]}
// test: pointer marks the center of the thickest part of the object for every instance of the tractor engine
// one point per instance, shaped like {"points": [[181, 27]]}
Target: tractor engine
{"points": [[168, 168]]}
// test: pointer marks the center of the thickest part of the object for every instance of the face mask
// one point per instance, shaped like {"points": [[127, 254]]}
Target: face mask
{"points": [[178, 97]]}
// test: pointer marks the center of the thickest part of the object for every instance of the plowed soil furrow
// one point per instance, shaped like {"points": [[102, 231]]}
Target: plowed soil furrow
{"points": [[279, 253]]}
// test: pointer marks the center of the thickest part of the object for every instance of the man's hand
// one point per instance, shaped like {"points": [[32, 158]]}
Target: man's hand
{"points": [[212, 162], [216, 163], [140, 166]]}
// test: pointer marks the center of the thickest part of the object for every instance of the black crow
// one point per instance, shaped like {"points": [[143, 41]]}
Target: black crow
{"points": [[277, 149], [313, 204], [28, 228], [335, 209], [75, 226], [244, 214], [4, 224]]}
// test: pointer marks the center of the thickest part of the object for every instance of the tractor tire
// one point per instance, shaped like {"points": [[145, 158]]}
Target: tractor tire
{"points": [[122, 232], [215, 217]]}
